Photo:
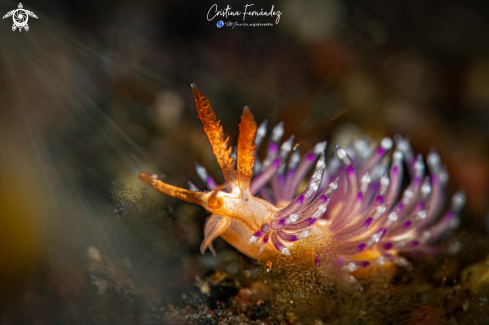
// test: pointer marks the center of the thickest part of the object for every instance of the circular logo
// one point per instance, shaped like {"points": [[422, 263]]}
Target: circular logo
{"points": [[20, 17], [220, 23]]}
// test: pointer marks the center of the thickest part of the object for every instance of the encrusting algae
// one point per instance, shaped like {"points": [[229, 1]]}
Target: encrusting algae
{"points": [[354, 199]]}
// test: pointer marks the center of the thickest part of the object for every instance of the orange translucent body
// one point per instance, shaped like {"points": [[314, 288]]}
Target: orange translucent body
{"points": [[241, 214], [237, 214]]}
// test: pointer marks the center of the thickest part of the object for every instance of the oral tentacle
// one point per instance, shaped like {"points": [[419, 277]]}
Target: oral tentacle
{"points": [[173, 191]]}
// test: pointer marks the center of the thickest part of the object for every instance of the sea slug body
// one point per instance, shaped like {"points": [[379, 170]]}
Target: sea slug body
{"points": [[355, 198]]}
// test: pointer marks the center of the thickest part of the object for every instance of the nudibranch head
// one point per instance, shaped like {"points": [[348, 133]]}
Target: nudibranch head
{"points": [[355, 198]]}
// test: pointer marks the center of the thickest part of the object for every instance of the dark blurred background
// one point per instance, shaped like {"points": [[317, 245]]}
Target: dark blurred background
{"points": [[97, 91]]}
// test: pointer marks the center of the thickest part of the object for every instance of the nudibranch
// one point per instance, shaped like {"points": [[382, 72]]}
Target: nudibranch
{"points": [[357, 198]]}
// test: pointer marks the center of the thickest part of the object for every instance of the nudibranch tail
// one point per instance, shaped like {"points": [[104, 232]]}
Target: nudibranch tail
{"points": [[215, 133]]}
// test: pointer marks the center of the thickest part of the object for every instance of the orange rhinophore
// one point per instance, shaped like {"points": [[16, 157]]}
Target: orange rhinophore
{"points": [[246, 150], [215, 133], [260, 212]]}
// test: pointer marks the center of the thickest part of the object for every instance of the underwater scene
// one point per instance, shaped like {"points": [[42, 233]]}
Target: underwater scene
{"points": [[275, 162]]}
